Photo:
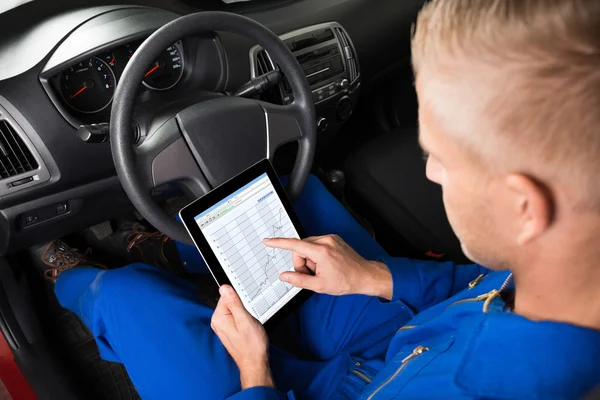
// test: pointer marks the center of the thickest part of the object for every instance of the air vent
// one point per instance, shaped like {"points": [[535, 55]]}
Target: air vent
{"points": [[263, 63], [15, 157], [353, 71]]}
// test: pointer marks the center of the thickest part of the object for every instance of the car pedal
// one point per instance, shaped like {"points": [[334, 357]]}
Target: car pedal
{"points": [[102, 230]]}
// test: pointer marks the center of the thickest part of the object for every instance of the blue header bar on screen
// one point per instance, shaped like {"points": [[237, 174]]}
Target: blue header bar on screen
{"points": [[226, 199]]}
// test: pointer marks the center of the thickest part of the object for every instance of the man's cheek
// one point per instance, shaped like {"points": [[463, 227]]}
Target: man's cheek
{"points": [[457, 201], [450, 207]]}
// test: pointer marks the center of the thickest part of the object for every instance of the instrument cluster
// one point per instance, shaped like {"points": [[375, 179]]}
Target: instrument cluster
{"points": [[88, 87]]}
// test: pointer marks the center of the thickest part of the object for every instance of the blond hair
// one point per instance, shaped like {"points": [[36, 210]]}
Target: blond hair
{"points": [[546, 56]]}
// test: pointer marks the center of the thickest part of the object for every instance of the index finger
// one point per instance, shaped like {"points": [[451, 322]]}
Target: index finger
{"points": [[308, 249]]}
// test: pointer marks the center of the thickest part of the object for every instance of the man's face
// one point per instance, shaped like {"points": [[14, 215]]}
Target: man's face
{"points": [[475, 201]]}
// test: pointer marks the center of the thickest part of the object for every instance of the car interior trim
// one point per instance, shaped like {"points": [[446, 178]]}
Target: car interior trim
{"points": [[24, 180]]}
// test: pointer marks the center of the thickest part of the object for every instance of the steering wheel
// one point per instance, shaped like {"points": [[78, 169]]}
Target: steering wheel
{"points": [[220, 136]]}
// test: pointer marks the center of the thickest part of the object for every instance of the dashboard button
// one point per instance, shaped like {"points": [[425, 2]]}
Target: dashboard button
{"points": [[30, 219], [344, 109], [322, 125], [61, 209]]}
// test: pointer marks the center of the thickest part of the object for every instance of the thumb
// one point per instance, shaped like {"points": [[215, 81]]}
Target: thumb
{"points": [[299, 279], [232, 301]]}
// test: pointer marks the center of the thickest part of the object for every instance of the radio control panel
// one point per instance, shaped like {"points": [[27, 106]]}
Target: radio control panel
{"points": [[330, 62]]}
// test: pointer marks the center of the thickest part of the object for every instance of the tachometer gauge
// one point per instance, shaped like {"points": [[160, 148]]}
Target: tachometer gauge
{"points": [[166, 71], [89, 86], [109, 58]]}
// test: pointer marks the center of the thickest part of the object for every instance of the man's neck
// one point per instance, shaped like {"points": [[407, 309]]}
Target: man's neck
{"points": [[560, 290]]}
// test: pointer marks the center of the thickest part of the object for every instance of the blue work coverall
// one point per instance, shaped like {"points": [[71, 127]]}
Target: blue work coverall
{"points": [[433, 340]]}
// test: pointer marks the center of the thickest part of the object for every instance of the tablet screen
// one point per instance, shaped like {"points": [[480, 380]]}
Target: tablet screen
{"points": [[235, 228]]}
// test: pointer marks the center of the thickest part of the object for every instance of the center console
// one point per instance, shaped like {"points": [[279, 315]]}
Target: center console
{"points": [[329, 60]]}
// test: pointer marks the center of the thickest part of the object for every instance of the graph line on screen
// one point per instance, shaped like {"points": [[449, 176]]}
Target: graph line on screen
{"points": [[256, 266]]}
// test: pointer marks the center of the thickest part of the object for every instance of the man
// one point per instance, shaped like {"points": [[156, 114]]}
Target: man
{"points": [[509, 93]]}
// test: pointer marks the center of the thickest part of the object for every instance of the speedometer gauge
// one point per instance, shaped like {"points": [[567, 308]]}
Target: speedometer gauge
{"points": [[89, 86], [166, 71]]}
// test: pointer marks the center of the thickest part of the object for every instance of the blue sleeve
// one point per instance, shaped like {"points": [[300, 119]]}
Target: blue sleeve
{"points": [[261, 393], [422, 284]]}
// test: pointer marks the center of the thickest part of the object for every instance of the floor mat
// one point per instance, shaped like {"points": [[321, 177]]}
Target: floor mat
{"points": [[100, 379], [96, 378]]}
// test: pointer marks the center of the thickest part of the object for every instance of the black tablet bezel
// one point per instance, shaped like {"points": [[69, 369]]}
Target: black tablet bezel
{"points": [[189, 213]]}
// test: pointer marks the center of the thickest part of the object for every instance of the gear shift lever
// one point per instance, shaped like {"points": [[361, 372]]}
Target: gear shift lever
{"points": [[336, 180]]}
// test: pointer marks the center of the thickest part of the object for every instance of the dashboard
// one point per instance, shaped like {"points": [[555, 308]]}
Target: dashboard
{"points": [[60, 68]]}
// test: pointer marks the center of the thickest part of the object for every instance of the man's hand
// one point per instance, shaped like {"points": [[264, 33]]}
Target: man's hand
{"points": [[244, 338], [326, 264]]}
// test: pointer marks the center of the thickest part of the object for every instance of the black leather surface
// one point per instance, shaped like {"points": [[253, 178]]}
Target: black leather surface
{"points": [[225, 135], [389, 174], [126, 92]]}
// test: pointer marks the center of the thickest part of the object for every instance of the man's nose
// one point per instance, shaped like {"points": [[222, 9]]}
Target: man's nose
{"points": [[433, 170]]}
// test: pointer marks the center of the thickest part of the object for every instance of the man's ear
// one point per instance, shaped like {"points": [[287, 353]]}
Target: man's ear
{"points": [[533, 207]]}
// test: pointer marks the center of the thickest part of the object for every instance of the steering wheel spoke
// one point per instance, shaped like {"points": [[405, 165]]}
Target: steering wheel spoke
{"points": [[282, 125], [165, 158], [194, 187]]}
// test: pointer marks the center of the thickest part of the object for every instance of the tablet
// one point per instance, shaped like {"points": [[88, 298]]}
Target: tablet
{"points": [[228, 225]]}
